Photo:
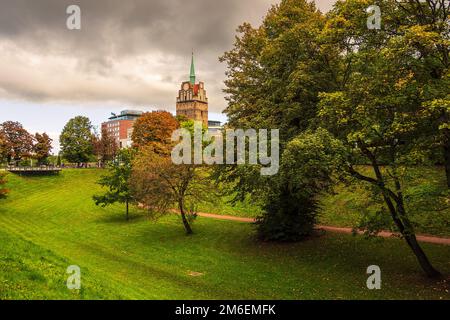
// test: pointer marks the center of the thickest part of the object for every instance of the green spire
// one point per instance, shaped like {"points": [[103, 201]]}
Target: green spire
{"points": [[192, 70]]}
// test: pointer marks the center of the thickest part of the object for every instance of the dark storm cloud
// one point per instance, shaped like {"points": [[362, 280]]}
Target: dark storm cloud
{"points": [[125, 27], [135, 52]]}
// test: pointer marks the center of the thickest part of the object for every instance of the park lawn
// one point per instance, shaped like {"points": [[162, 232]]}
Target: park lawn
{"points": [[28, 271], [49, 223], [348, 205]]}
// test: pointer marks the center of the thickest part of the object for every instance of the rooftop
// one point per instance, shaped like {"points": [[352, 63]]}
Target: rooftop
{"points": [[126, 115]]}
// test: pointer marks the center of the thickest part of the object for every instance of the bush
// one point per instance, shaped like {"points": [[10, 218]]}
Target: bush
{"points": [[307, 169], [287, 217]]}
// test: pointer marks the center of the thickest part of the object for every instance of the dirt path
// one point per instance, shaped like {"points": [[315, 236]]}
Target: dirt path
{"points": [[384, 234]]}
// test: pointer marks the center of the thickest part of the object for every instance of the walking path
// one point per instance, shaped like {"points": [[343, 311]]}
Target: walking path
{"points": [[384, 234]]}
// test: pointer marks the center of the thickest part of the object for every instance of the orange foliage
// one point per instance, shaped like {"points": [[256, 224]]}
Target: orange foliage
{"points": [[154, 129]]}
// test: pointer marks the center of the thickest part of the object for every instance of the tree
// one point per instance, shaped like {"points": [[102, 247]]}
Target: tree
{"points": [[160, 185], [17, 142], [117, 181], [308, 168], [76, 140], [418, 33], [275, 74], [276, 71], [105, 147], [381, 94], [154, 128], [425, 31], [42, 147], [381, 123]]}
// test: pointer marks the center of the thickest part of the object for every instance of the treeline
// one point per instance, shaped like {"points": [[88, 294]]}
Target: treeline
{"points": [[343, 95], [80, 143], [18, 146]]}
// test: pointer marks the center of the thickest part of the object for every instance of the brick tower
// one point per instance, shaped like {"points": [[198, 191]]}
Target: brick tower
{"points": [[192, 101]]}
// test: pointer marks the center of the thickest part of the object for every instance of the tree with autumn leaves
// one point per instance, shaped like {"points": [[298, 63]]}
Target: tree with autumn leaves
{"points": [[155, 129], [151, 132], [162, 186], [159, 184], [17, 144], [104, 147], [42, 148]]}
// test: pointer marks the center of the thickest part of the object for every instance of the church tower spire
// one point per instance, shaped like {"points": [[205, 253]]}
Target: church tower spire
{"points": [[192, 101], [192, 76]]}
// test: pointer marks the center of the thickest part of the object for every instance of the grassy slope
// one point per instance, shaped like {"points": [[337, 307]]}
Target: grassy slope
{"points": [[143, 259], [428, 203], [240, 209], [28, 271], [348, 205]]}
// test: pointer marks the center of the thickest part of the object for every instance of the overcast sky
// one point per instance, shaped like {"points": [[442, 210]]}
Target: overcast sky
{"points": [[130, 54]]}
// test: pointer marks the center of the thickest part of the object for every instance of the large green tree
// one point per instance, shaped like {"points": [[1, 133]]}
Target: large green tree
{"points": [[76, 140], [275, 74], [381, 112], [423, 28], [276, 71], [381, 94]]}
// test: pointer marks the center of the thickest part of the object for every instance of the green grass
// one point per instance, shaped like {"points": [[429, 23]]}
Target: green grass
{"points": [[223, 206], [427, 203], [28, 271], [49, 223], [427, 199]]}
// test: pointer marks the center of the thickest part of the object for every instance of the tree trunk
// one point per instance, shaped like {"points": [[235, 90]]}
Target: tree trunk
{"points": [[421, 256], [405, 229], [183, 217], [398, 213], [127, 210]]}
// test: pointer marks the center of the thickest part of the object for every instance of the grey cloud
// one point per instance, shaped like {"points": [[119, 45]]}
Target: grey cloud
{"points": [[133, 52]]}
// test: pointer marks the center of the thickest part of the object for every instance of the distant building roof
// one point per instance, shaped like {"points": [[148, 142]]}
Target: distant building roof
{"points": [[126, 115]]}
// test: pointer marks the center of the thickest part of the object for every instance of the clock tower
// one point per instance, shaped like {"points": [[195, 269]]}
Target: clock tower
{"points": [[192, 101]]}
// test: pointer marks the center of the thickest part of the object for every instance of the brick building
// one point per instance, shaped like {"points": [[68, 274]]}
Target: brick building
{"points": [[120, 127]]}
